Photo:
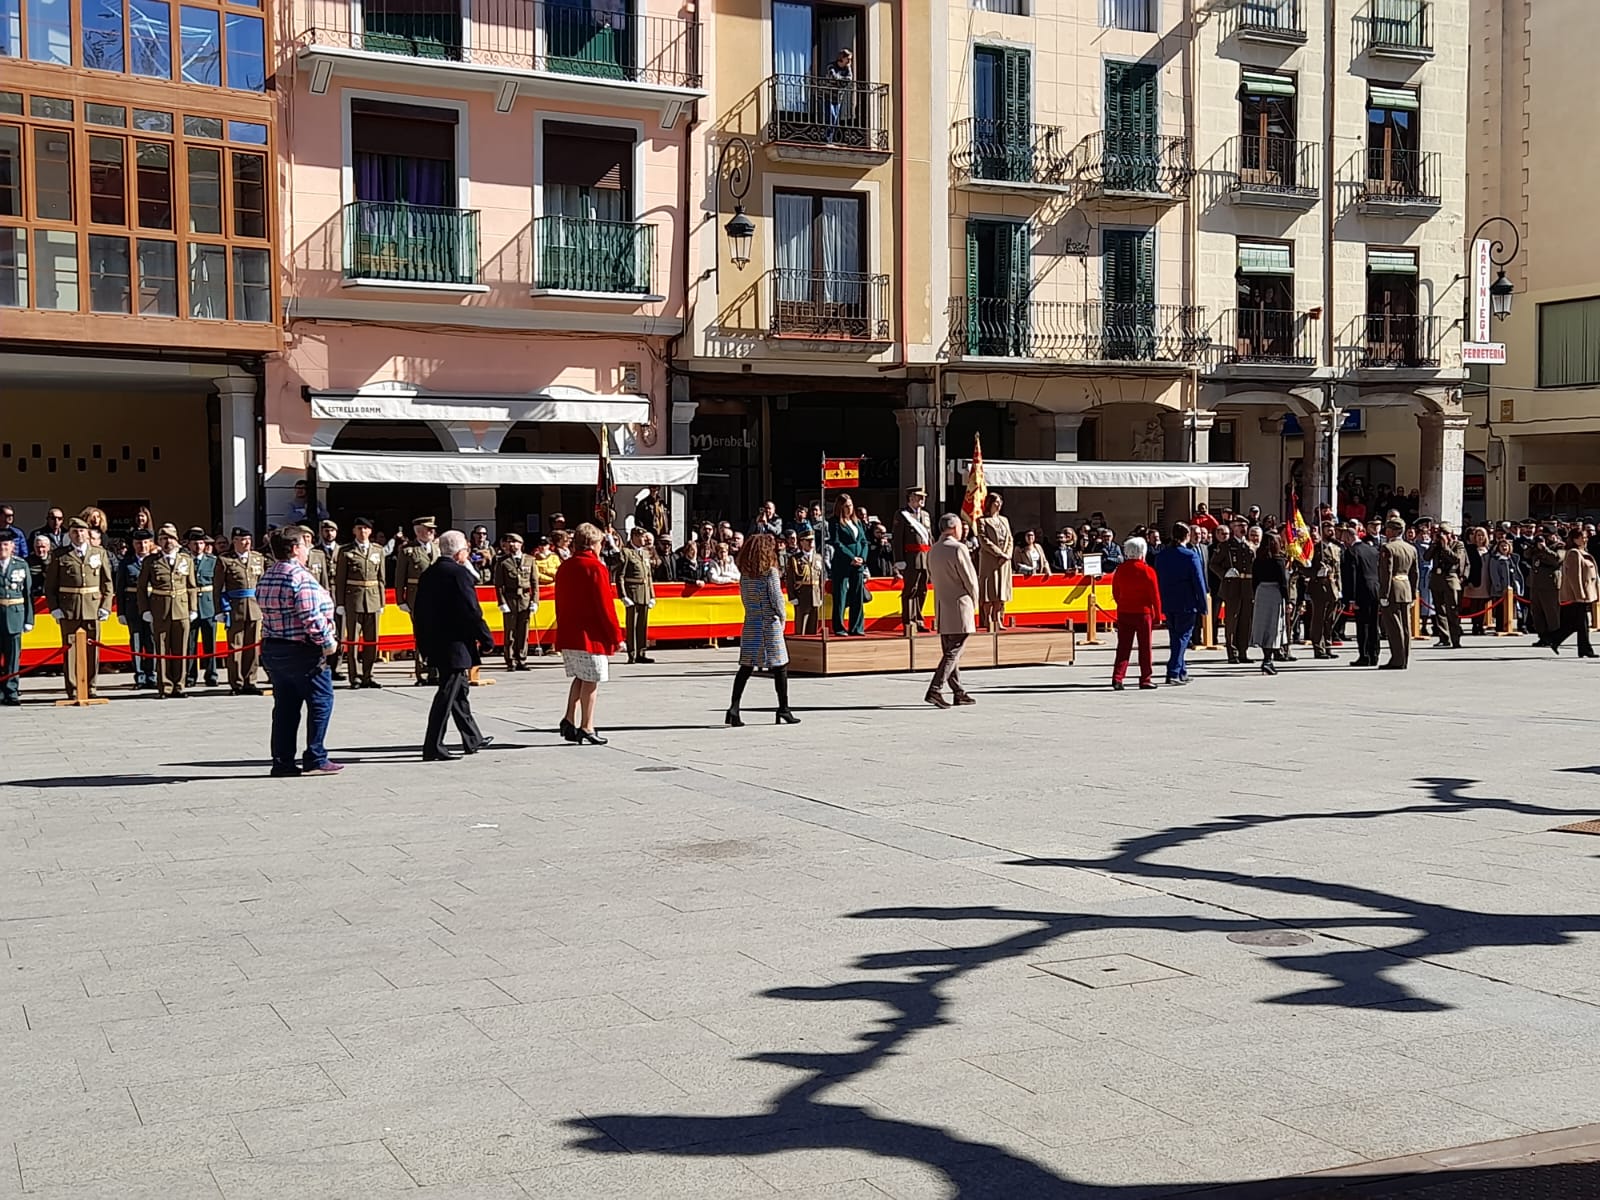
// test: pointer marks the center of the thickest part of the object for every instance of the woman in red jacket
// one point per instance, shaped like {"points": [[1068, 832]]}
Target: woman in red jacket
{"points": [[586, 631], [1138, 599]]}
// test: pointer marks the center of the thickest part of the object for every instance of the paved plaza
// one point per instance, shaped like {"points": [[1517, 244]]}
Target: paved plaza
{"points": [[1065, 943]]}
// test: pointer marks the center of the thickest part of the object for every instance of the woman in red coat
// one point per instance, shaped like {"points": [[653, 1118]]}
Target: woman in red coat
{"points": [[586, 631], [1137, 596]]}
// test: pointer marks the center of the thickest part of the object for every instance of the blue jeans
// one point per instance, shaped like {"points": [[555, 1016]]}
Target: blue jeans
{"points": [[299, 676], [1180, 632]]}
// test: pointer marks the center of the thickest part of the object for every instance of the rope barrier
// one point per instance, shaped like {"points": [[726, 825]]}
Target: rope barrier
{"points": [[58, 652], [203, 656]]}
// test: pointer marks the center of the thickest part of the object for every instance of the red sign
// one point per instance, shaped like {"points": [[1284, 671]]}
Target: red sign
{"points": [[841, 472]]}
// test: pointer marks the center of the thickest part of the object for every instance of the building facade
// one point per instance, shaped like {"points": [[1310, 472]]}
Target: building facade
{"points": [[138, 295], [1531, 162], [484, 254]]}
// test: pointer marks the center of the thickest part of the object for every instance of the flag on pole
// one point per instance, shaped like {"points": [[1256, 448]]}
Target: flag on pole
{"points": [[841, 473], [605, 487], [1300, 548], [972, 506]]}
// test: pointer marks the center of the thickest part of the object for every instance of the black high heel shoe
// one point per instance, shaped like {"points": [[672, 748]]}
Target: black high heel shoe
{"points": [[785, 717], [593, 739], [569, 731], [731, 717]]}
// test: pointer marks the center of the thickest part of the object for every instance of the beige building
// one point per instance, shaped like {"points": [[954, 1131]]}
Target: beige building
{"points": [[1531, 159]]}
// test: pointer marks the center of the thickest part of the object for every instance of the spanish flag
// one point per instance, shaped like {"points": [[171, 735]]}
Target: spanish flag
{"points": [[1300, 548], [972, 506]]}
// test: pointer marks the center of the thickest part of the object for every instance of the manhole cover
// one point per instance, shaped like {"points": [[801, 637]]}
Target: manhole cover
{"points": [[1110, 970], [1580, 827], [650, 769], [1270, 937]]}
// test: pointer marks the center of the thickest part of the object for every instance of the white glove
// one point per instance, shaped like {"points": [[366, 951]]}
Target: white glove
{"points": [[58, 615], [339, 611], [899, 566], [122, 619], [505, 608], [650, 604], [1383, 604], [104, 613], [27, 629], [149, 618], [406, 608], [626, 603], [193, 615]]}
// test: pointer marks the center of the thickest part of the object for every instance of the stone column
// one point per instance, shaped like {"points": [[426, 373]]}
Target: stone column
{"points": [[683, 410], [1180, 442], [921, 448], [1321, 431], [1443, 453], [241, 460], [1065, 430]]}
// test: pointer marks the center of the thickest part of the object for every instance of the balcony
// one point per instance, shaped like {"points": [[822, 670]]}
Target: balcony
{"points": [[1400, 183], [1404, 340], [553, 48], [1278, 22], [1076, 332], [598, 259], [1274, 172], [829, 308], [992, 155], [814, 118], [1134, 168], [1264, 337], [400, 245], [1397, 29]]}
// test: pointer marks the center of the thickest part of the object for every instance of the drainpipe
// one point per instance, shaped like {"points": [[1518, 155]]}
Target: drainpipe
{"points": [[1330, 447], [1191, 403], [685, 258]]}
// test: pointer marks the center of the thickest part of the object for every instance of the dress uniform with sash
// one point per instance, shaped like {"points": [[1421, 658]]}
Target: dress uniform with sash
{"points": [[636, 588], [234, 588], [1324, 591], [168, 600], [803, 572], [913, 538], [516, 587], [78, 587], [1397, 589], [16, 618], [414, 560], [1449, 569], [358, 592], [203, 629], [1237, 558]]}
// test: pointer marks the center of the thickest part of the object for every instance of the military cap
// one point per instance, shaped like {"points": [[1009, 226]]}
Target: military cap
{"points": [[423, 523], [241, 531], [195, 534], [141, 535], [805, 535], [167, 530], [77, 523], [1395, 523], [361, 523]]}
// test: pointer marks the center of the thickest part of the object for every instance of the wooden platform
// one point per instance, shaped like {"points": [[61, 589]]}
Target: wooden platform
{"points": [[884, 653]]}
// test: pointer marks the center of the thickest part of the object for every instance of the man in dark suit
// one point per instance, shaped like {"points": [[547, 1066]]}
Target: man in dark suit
{"points": [[1360, 570], [452, 637]]}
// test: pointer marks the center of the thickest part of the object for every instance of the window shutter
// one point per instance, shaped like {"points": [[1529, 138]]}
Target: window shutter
{"points": [[1145, 268], [587, 162], [1115, 115], [1142, 83], [973, 299], [1018, 87], [1021, 262]]}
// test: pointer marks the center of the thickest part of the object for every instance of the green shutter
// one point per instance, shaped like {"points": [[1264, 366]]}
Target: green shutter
{"points": [[1021, 286], [1114, 96], [973, 301], [1145, 269], [1393, 98], [1018, 114], [1392, 262], [1260, 83]]}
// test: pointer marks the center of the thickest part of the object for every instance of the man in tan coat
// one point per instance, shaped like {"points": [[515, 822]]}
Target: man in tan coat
{"points": [[1397, 589], [516, 586], [78, 587], [414, 560], [955, 608], [168, 600], [637, 590], [234, 587], [803, 573], [358, 593]]}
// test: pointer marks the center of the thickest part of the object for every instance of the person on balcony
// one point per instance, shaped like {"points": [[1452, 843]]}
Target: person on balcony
{"points": [[841, 74]]}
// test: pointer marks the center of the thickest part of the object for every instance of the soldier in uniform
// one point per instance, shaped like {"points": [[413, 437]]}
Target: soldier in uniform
{"points": [[234, 589], [414, 560], [358, 593], [168, 601], [1448, 570], [651, 514], [1324, 591], [637, 589], [1397, 589], [516, 587], [16, 617], [78, 587], [321, 560], [203, 629], [802, 580], [1232, 561], [912, 539], [1542, 560]]}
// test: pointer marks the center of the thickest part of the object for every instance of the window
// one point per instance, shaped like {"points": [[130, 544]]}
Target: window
{"points": [[55, 256], [151, 43], [1015, 8], [200, 45], [588, 172], [818, 63], [109, 274], [13, 267], [247, 53], [52, 174], [10, 171], [50, 31], [1267, 129], [1138, 15], [404, 153], [108, 181], [1393, 140], [820, 243], [158, 278], [1266, 318], [208, 41], [1002, 113], [1129, 293], [1569, 343], [1393, 324], [999, 278], [103, 35], [1132, 148]]}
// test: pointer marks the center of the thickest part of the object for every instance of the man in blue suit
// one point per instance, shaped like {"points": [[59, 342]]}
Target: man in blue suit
{"points": [[1183, 598]]}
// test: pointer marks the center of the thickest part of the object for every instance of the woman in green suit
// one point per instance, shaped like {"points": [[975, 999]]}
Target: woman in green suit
{"points": [[848, 569]]}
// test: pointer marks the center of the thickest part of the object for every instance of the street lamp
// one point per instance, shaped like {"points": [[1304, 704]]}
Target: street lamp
{"points": [[1500, 290], [741, 230]]}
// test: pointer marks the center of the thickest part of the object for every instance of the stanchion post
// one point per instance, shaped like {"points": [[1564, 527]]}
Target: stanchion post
{"points": [[80, 668], [1508, 613], [1091, 633], [1416, 618], [1208, 629]]}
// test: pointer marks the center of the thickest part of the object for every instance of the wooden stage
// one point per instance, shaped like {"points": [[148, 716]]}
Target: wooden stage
{"points": [[885, 652]]}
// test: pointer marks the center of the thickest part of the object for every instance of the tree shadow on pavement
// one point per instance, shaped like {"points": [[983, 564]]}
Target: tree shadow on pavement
{"points": [[1352, 975]]}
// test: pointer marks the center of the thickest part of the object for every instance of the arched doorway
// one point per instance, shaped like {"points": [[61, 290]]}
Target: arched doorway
{"points": [[1474, 490], [392, 506], [527, 508], [1365, 482]]}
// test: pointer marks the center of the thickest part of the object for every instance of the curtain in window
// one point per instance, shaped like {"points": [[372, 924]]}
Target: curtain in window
{"points": [[841, 251], [791, 54], [792, 226], [394, 178], [1569, 343]]}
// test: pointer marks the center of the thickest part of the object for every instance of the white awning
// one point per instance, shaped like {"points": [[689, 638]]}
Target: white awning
{"points": [[391, 403], [1045, 473], [491, 470]]}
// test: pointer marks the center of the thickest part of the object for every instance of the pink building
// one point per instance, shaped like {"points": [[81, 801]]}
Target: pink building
{"points": [[483, 232]]}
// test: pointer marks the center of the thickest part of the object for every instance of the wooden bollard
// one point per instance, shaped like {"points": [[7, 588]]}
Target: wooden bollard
{"points": [[1508, 614], [80, 667], [1091, 634], [1416, 617], [1208, 630]]}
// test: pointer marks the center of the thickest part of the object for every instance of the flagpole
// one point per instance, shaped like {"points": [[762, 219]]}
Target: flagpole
{"points": [[828, 600]]}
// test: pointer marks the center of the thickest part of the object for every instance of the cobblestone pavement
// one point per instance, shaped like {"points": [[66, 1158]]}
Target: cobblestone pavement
{"points": [[1066, 943]]}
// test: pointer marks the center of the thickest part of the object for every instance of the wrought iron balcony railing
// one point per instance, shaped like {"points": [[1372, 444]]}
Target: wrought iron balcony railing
{"points": [[1268, 20], [1401, 28], [813, 110], [410, 243], [847, 306], [597, 39], [1073, 331], [1118, 162], [1266, 337], [1004, 152], [610, 257], [1275, 166], [1401, 340], [1401, 177]]}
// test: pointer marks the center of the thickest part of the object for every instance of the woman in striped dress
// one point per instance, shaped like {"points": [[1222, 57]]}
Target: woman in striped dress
{"points": [[761, 638]]}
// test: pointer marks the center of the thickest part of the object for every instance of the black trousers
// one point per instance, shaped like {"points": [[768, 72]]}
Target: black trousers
{"points": [[1575, 623], [1368, 639], [450, 701]]}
